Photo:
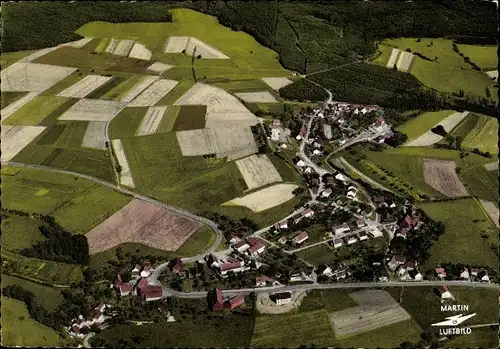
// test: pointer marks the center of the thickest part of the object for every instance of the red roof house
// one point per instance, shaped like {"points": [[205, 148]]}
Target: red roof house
{"points": [[300, 237], [234, 302], [440, 272], [217, 303], [256, 248], [125, 288], [151, 293], [408, 222], [176, 266]]}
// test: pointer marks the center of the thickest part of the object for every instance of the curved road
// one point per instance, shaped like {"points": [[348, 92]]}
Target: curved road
{"points": [[177, 210]]}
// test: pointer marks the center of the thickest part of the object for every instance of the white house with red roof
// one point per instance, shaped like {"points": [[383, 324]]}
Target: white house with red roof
{"points": [[256, 248], [440, 272], [281, 225], [241, 246], [307, 213], [300, 237], [396, 261]]}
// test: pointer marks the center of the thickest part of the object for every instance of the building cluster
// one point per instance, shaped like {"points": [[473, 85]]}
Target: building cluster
{"points": [[471, 274], [81, 326], [408, 224], [336, 271], [343, 234], [138, 284], [279, 133], [252, 247], [217, 302], [405, 269]]}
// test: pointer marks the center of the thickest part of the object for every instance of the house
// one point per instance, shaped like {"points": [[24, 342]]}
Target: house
{"points": [[360, 223], [379, 200], [326, 193], [351, 239], [136, 272], [351, 194], [308, 170], [301, 163], [339, 229], [338, 243], [125, 289], [216, 300], [281, 225], [415, 275], [232, 264], [410, 265], [242, 246], [326, 270], [340, 177], [362, 236], [176, 266], [395, 261], [445, 292], [256, 248], [440, 272], [408, 222], [474, 271], [234, 239], [340, 271], [314, 182], [295, 277], [303, 131], [276, 123], [282, 240], [403, 232], [212, 261], [234, 302], [307, 213], [483, 274], [297, 217], [300, 237], [282, 298], [151, 293], [465, 275], [275, 134], [327, 131], [317, 152], [263, 280]]}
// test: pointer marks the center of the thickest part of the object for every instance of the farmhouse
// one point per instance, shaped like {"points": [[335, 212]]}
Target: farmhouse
{"points": [[225, 264], [300, 238], [339, 229], [282, 240], [256, 247], [281, 225], [465, 275], [360, 223], [263, 280], [351, 239], [242, 246], [395, 261], [80, 325], [307, 213], [234, 302], [338, 242], [282, 298], [216, 300]]}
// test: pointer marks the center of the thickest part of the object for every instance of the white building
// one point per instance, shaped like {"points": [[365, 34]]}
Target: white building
{"points": [[283, 298]]}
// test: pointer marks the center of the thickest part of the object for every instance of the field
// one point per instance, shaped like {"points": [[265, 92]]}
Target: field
{"points": [[151, 121], [16, 138], [18, 329], [257, 97], [306, 328], [13, 101], [197, 142], [168, 120], [483, 136], [48, 297], [121, 89], [159, 67], [404, 61], [144, 223], [125, 174], [258, 170], [483, 56], [76, 203], [93, 110], [266, 198], [42, 271], [277, 83], [198, 242], [491, 210], [32, 77], [95, 135], [462, 241], [190, 117], [126, 123], [441, 175], [154, 93], [8, 58], [423, 123], [140, 51], [85, 86], [33, 112], [193, 47], [20, 232], [137, 88]]}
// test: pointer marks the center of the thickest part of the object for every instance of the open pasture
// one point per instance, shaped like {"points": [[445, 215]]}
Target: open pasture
{"points": [[139, 51], [15, 138], [16, 105], [159, 67], [93, 110], [266, 198], [95, 136], [419, 125], [153, 93], [430, 137], [258, 170], [32, 77], [151, 120], [85, 86], [257, 97], [145, 223], [441, 175], [35, 111], [144, 83], [484, 135], [484, 56], [197, 142], [125, 174], [19, 232], [277, 83]]}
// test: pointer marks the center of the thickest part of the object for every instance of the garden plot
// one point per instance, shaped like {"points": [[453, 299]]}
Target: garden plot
{"points": [[125, 174], [258, 170], [376, 309], [491, 210], [441, 175], [138, 88], [15, 138], [206, 51], [95, 135], [404, 61], [111, 46], [266, 198], [197, 142], [32, 77], [13, 107], [277, 83], [123, 48], [257, 97], [143, 223], [493, 74], [140, 51], [233, 142], [175, 44], [151, 121], [393, 58], [85, 86], [152, 95], [430, 137], [159, 67], [493, 166], [93, 110]]}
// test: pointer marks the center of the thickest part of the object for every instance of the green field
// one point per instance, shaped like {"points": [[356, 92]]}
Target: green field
{"points": [[462, 241], [48, 297], [179, 89], [35, 111], [423, 123], [121, 89], [7, 58], [76, 203], [190, 117], [250, 85], [10, 97], [63, 84], [449, 73], [484, 56], [463, 128], [42, 271], [20, 232], [383, 54], [483, 136], [197, 243], [127, 122], [168, 121], [18, 329], [483, 184], [101, 91], [72, 135], [292, 330], [51, 119]]}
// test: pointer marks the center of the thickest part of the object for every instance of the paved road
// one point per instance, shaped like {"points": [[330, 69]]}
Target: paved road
{"points": [[177, 210], [86, 339]]}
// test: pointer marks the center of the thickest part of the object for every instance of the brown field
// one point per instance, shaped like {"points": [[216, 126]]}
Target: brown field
{"points": [[143, 223], [441, 175], [376, 309]]}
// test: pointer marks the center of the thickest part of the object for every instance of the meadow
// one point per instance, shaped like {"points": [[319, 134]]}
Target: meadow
{"points": [[483, 56], [422, 123], [484, 135], [20, 232], [169, 118], [197, 243], [463, 242], [127, 122], [10, 97], [34, 112], [18, 329]]}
